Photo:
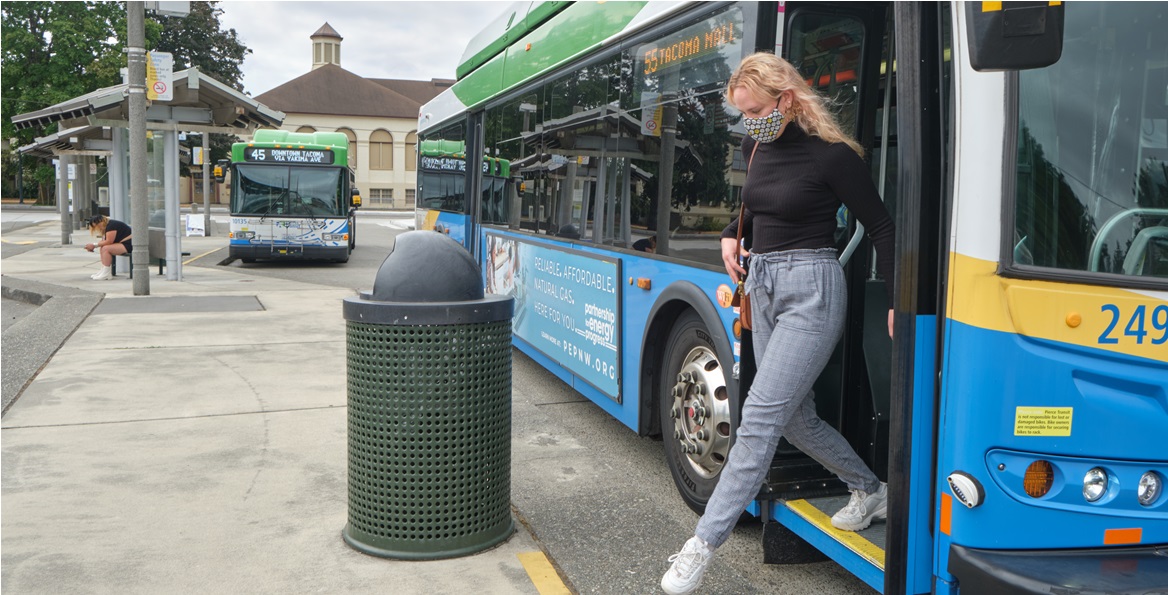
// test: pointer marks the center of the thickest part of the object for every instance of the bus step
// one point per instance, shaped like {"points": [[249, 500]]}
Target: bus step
{"points": [[861, 552]]}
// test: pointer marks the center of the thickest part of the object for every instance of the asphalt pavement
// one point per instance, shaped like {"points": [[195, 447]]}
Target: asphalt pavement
{"points": [[193, 440]]}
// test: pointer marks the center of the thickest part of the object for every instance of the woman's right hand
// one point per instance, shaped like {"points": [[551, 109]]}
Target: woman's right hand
{"points": [[731, 252]]}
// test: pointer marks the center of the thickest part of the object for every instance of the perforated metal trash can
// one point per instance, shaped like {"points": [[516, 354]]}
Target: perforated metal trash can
{"points": [[429, 395]]}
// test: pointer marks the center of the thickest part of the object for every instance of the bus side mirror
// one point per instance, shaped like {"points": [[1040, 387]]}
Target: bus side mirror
{"points": [[356, 199], [220, 171], [1005, 36]]}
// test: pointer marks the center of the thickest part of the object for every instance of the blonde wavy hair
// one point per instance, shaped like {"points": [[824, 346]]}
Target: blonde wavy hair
{"points": [[767, 75]]}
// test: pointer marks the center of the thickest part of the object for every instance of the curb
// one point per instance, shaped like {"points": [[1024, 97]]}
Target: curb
{"points": [[33, 340]]}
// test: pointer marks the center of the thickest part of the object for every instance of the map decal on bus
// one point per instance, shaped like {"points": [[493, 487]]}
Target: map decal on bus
{"points": [[567, 304]]}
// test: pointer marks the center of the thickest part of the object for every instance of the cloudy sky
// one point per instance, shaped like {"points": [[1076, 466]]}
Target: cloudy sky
{"points": [[397, 40]]}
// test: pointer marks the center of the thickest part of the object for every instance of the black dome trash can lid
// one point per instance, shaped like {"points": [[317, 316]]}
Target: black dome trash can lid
{"points": [[425, 266], [428, 278]]}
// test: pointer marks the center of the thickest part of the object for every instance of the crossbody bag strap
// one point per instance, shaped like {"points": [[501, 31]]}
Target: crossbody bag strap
{"points": [[742, 207]]}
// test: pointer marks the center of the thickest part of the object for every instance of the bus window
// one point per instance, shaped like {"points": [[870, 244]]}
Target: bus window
{"points": [[509, 136], [682, 118], [1092, 163], [442, 171], [568, 153]]}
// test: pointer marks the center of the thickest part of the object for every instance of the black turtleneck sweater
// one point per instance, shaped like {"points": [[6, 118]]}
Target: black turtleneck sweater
{"points": [[795, 185]]}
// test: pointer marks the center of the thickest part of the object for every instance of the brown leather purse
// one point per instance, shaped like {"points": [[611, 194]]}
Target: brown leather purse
{"points": [[741, 299]]}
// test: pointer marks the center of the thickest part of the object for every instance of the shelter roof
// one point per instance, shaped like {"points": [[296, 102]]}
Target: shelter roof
{"points": [[81, 140], [200, 104]]}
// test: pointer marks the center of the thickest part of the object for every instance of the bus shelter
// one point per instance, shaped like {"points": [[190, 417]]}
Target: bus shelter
{"points": [[97, 124]]}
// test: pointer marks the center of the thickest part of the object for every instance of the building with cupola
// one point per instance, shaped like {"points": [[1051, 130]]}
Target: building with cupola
{"points": [[379, 116]]}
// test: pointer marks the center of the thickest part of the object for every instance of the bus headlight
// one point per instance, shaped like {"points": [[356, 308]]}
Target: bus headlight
{"points": [[243, 235], [1149, 489], [335, 237], [1094, 484]]}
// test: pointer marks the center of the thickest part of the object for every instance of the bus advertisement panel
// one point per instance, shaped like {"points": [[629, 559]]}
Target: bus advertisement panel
{"points": [[567, 305]]}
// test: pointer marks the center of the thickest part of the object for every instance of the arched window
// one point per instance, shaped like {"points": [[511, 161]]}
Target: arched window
{"points": [[308, 129], [380, 150], [412, 151], [352, 146]]}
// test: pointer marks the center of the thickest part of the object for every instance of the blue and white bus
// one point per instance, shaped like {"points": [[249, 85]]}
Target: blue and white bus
{"points": [[293, 196], [1019, 416]]}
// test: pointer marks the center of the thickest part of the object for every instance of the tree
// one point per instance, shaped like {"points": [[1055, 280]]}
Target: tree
{"points": [[53, 51], [197, 40]]}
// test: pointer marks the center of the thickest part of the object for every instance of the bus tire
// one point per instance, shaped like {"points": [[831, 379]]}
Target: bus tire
{"points": [[695, 406]]}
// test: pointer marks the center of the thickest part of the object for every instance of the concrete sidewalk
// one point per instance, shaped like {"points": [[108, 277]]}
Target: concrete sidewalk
{"points": [[194, 441]]}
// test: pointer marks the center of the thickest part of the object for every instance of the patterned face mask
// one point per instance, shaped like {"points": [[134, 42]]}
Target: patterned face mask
{"points": [[765, 129]]}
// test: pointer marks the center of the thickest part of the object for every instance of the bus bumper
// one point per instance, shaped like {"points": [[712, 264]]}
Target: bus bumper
{"points": [[1114, 570], [289, 252]]}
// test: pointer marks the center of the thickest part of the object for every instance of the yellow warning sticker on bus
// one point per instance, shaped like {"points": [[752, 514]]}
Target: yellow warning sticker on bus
{"points": [[1043, 421]]}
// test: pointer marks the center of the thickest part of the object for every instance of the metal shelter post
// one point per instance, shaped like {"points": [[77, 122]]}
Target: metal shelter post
{"points": [[206, 183], [139, 215], [118, 197], [170, 185], [63, 162]]}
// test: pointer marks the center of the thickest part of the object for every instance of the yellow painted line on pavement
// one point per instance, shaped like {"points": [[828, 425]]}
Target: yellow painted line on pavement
{"points": [[24, 243], [194, 258], [543, 575]]}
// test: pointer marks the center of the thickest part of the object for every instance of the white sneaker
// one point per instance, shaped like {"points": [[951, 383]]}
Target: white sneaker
{"points": [[689, 566], [103, 274], [861, 509]]}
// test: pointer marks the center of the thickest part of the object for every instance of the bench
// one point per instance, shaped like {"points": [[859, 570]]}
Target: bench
{"points": [[156, 245]]}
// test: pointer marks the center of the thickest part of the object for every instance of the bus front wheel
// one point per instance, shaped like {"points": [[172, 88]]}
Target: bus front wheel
{"points": [[695, 408]]}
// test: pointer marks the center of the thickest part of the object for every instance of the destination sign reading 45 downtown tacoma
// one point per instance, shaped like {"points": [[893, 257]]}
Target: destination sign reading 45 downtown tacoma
{"points": [[567, 305], [289, 155]]}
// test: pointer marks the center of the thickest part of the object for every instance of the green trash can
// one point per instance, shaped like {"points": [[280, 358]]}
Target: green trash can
{"points": [[429, 396]]}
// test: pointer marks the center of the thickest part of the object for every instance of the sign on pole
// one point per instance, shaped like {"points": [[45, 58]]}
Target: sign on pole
{"points": [[160, 76]]}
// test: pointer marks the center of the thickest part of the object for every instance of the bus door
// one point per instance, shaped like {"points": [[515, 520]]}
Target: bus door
{"points": [[847, 52], [840, 51]]}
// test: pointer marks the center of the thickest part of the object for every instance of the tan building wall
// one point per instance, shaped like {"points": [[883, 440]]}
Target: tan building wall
{"points": [[398, 180]]}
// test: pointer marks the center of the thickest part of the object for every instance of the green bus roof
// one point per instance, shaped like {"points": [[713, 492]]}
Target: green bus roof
{"points": [[442, 148], [519, 19]]}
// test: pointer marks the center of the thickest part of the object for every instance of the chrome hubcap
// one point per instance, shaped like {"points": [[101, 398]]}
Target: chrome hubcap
{"points": [[700, 410]]}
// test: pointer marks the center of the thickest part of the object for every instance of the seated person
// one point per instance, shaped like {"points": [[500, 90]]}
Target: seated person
{"points": [[648, 244], [114, 240]]}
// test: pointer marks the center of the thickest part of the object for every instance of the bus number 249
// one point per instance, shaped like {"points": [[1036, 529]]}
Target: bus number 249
{"points": [[1136, 324]]}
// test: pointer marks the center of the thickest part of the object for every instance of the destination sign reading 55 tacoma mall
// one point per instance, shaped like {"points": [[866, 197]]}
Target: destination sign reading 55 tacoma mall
{"points": [[290, 155], [716, 34]]}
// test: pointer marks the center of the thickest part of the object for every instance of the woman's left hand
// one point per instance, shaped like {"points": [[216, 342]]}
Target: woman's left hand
{"points": [[890, 323]]}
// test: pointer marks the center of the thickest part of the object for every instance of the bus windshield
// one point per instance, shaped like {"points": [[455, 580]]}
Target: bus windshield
{"points": [[293, 191], [1092, 177]]}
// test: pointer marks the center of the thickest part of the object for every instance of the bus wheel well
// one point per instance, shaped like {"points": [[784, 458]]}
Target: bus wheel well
{"points": [[654, 346]]}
